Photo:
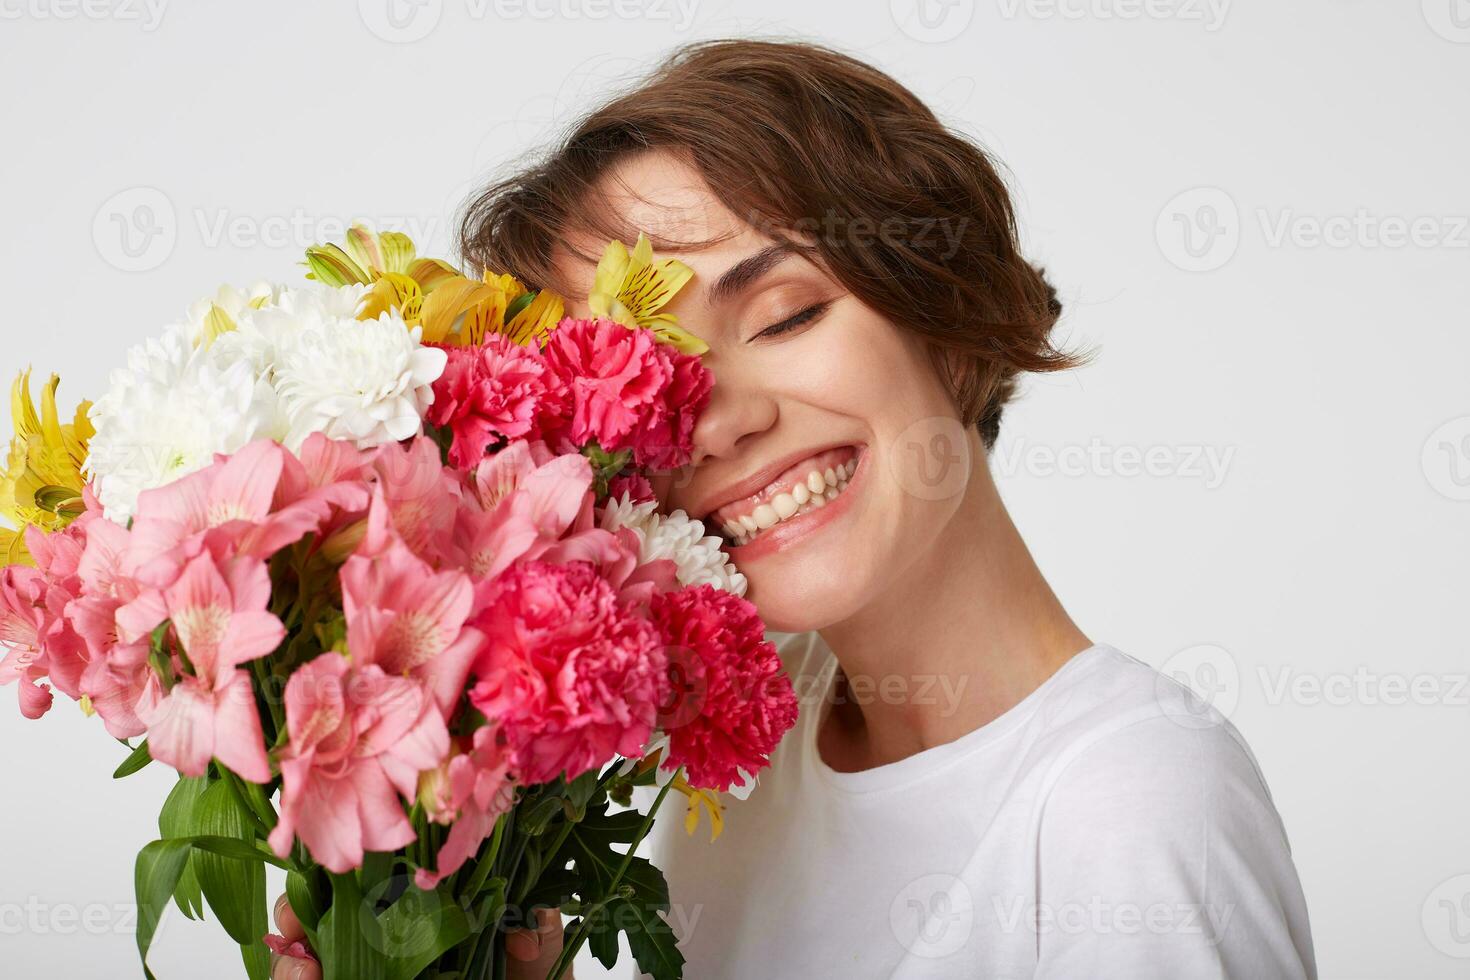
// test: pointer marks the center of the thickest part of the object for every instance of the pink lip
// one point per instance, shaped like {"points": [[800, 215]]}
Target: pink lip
{"points": [[756, 482], [794, 530]]}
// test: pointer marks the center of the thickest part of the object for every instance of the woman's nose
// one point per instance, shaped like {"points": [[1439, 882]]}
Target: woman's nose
{"points": [[736, 411]]}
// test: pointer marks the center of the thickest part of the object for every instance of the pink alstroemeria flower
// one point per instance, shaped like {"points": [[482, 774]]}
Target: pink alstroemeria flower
{"points": [[116, 675], [219, 615], [469, 792], [230, 501], [359, 740], [421, 494], [405, 617], [23, 621]]}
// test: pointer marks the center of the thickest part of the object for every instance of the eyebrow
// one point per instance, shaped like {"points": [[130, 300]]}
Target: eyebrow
{"points": [[745, 272]]}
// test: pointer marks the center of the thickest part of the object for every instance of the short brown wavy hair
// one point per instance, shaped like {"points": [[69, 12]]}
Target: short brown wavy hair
{"points": [[832, 156]]}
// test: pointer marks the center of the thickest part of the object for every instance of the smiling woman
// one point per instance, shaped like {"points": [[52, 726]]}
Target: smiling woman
{"points": [[868, 314]]}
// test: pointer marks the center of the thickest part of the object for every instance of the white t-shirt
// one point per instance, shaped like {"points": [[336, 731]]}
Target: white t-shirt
{"points": [[1109, 825]]}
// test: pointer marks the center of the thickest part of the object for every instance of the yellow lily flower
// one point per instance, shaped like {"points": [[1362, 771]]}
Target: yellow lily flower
{"points": [[42, 482], [631, 288]]}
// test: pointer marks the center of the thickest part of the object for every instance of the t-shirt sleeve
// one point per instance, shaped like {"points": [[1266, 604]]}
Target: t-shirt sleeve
{"points": [[1161, 855]]}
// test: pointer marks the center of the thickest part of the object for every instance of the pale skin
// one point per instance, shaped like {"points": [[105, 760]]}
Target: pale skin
{"points": [[912, 579]]}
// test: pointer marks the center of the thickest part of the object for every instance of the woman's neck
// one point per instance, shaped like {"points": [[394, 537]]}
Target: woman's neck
{"points": [[966, 633]]}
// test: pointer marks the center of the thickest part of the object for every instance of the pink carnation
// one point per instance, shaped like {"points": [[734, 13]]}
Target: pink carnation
{"points": [[487, 393], [737, 701], [621, 388], [570, 674]]}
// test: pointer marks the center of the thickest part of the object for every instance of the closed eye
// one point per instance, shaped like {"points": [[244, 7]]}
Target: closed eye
{"points": [[806, 316]]}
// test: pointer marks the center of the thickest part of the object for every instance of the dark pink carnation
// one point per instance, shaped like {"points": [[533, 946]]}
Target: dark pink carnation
{"points": [[571, 676], [733, 701], [632, 485], [487, 393], [623, 389]]}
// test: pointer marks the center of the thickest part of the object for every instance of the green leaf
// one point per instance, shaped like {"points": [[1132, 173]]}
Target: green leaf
{"points": [[418, 929], [155, 876], [346, 952], [306, 901], [136, 760], [650, 939], [257, 957], [234, 885], [176, 819], [239, 850]]}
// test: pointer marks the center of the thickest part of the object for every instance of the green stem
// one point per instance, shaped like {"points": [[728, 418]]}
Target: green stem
{"points": [[569, 950]]}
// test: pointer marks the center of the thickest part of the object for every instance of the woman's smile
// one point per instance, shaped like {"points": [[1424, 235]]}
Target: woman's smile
{"points": [[804, 496]]}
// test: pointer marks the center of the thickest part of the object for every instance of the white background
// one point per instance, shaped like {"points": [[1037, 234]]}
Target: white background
{"points": [[1313, 582]]}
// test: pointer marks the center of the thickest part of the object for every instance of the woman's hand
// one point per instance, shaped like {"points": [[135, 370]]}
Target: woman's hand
{"points": [[529, 955]]}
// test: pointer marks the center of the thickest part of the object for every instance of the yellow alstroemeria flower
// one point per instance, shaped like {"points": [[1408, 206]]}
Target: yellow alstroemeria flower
{"points": [[701, 800], [430, 293], [42, 482], [388, 262], [462, 311], [631, 288]]}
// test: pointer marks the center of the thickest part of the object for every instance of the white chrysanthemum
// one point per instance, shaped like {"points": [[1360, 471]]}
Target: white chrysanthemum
{"points": [[677, 537], [364, 380], [166, 414]]}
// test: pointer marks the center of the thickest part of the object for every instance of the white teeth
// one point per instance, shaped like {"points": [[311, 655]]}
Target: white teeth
{"points": [[815, 491]]}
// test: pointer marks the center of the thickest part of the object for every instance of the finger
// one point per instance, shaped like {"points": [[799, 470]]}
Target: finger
{"points": [[290, 968], [531, 954], [287, 924]]}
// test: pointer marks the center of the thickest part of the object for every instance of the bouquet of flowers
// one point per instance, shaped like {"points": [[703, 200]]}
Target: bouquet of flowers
{"points": [[374, 562]]}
